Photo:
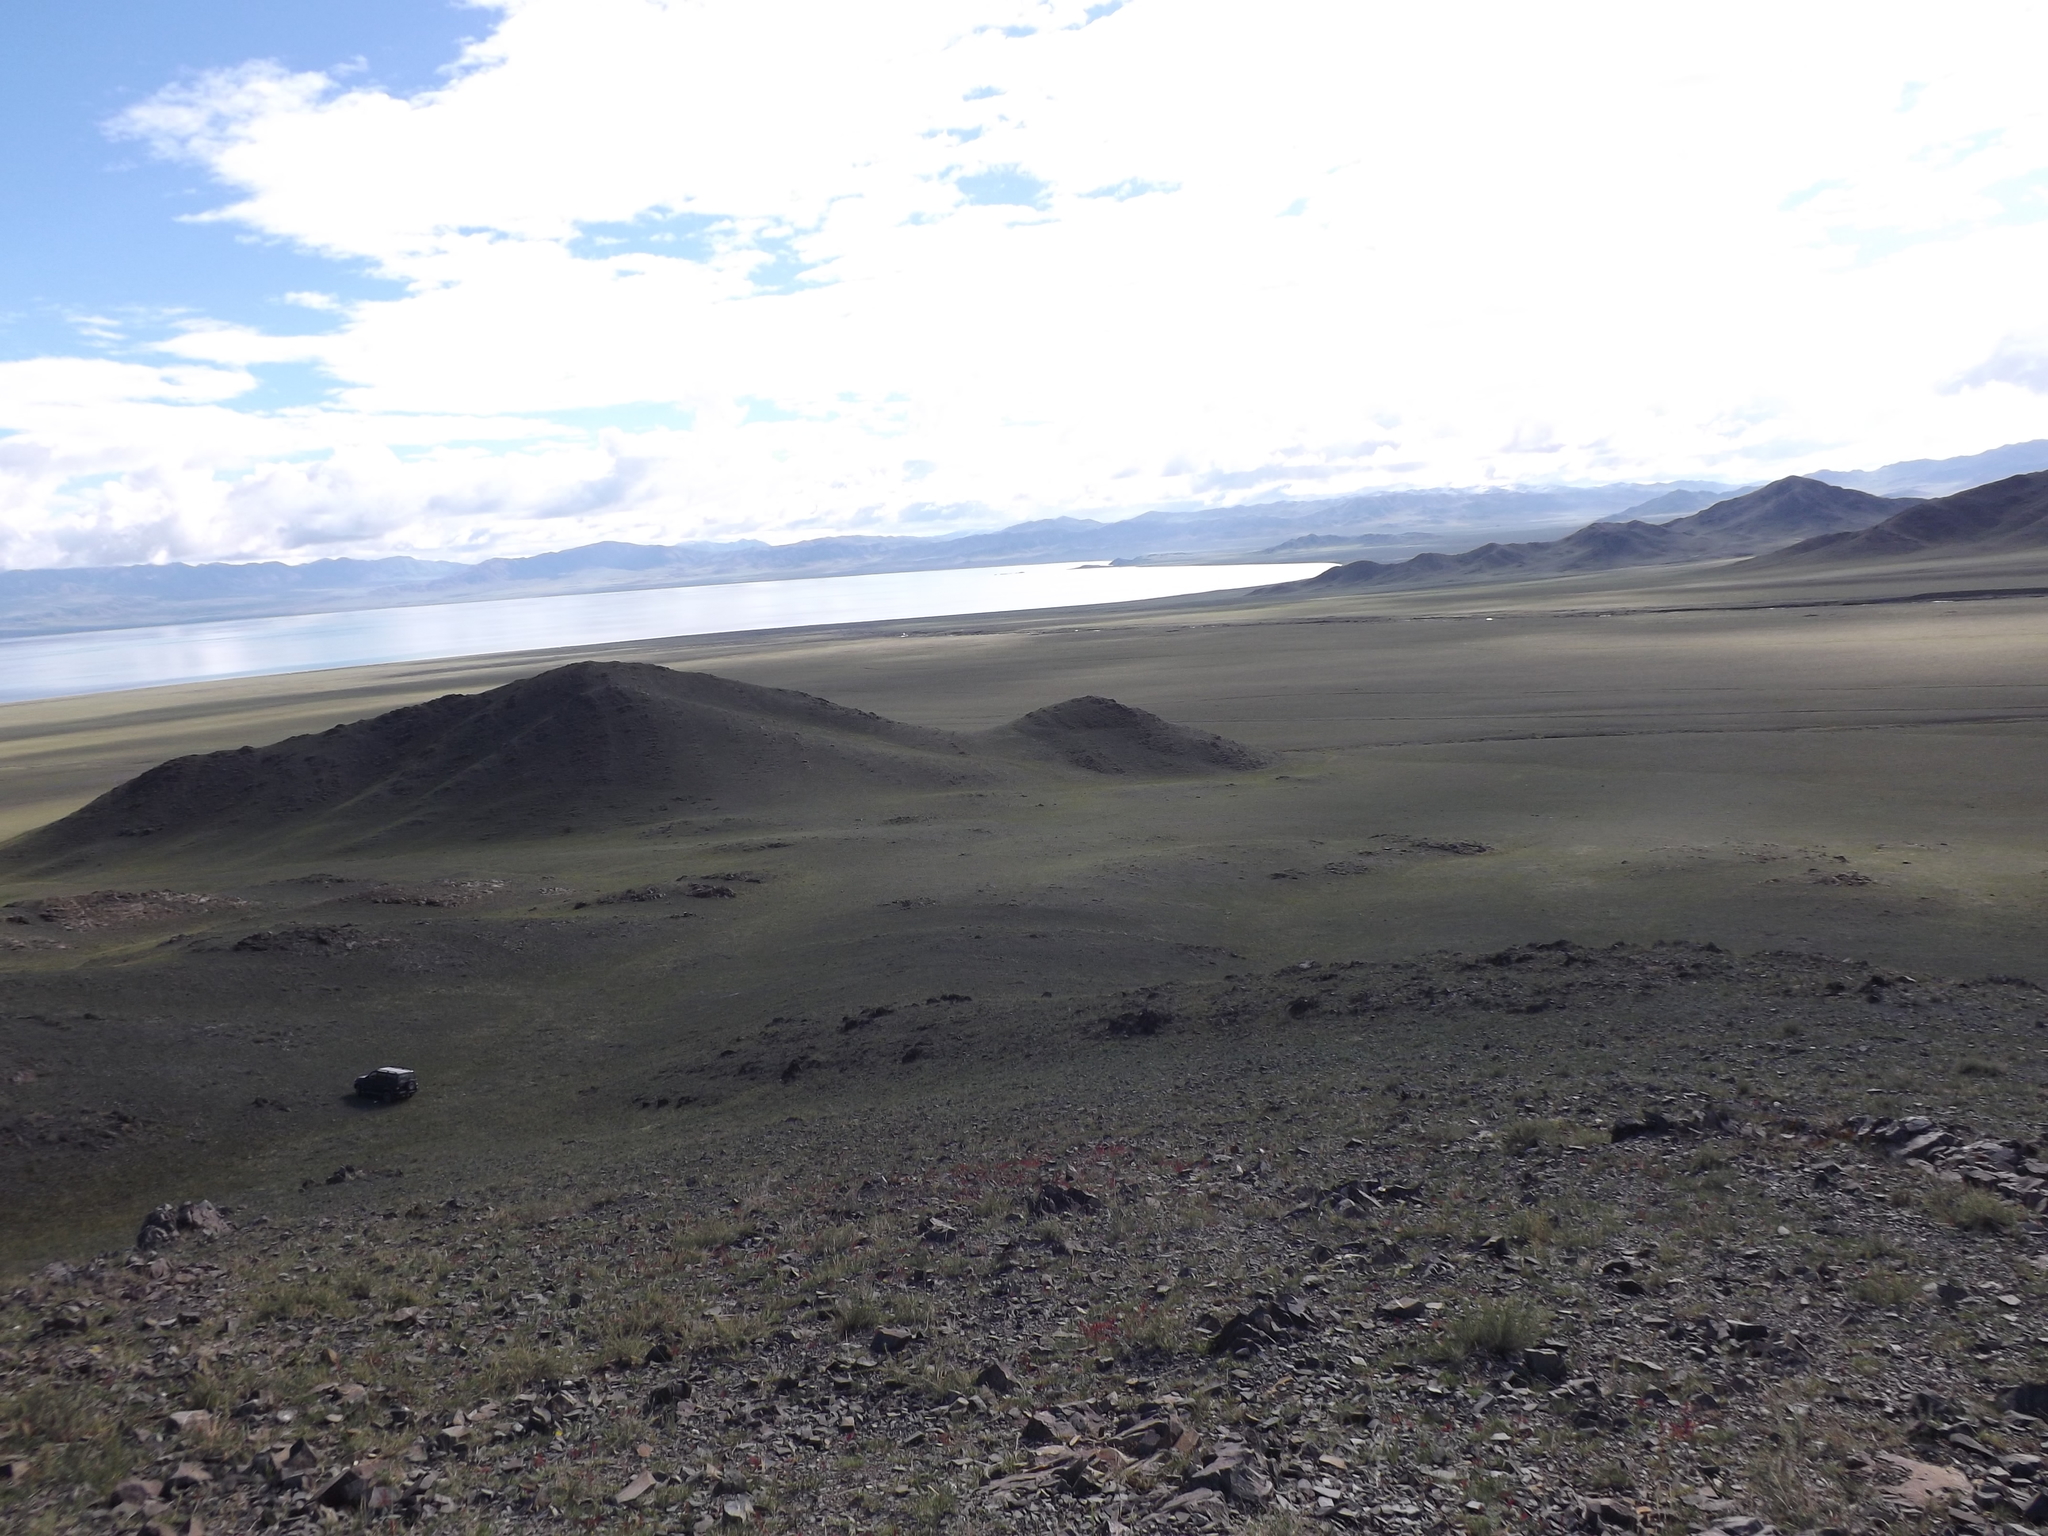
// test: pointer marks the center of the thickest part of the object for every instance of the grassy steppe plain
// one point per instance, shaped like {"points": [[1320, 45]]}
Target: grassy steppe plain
{"points": [[714, 1133], [1680, 753]]}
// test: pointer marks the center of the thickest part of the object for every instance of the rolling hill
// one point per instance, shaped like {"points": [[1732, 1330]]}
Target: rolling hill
{"points": [[590, 746], [1784, 512], [1102, 736], [2006, 516]]}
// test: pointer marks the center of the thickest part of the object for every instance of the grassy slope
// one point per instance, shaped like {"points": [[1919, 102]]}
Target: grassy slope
{"points": [[761, 1250], [1844, 780]]}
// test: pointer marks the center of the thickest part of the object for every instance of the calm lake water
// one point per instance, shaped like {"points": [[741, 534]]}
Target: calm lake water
{"points": [[101, 660]]}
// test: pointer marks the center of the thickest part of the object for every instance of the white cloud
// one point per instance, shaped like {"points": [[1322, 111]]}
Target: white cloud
{"points": [[2017, 360], [1188, 251], [81, 383]]}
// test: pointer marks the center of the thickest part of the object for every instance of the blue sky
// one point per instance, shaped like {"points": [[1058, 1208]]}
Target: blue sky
{"points": [[93, 223], [289, 279]]}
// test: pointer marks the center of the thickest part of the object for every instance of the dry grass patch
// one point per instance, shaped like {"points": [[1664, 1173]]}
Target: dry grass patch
{"points": [[1492, 1328], [1974, 1210]]}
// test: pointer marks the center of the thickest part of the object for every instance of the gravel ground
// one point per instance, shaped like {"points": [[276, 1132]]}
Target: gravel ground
{"points": [[1647, 1239]]}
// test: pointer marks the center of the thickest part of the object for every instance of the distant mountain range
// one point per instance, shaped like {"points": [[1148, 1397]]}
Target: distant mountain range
{"points": [[1627, 524], [103, 597], [1781, 513], [1795, 521], [1942, 477], [2004, 517]]}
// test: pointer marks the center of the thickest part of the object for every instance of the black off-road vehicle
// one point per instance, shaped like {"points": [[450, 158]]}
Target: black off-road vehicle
{"points": [[387, 1085]]}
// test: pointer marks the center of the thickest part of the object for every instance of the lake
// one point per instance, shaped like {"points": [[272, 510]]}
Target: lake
{"points": [[102, 660]]}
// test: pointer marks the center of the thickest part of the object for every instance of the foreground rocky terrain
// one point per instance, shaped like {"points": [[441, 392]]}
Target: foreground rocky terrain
{"points": [[1635, 1239]]}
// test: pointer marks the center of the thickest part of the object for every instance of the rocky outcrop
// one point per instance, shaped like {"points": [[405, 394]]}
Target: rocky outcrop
{"points": [[168, 1223]]}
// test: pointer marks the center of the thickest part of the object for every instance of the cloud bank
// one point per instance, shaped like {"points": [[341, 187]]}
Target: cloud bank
{"points": [[708, 268]]}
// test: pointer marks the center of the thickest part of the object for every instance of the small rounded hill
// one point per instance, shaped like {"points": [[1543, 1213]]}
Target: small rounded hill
{"points": [[591, 745], [596, 743], [1103, 736]]}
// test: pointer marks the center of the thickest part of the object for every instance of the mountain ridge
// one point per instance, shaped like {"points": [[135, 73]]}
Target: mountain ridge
{"points": [[1771, 517], [56, 600], [2006, 515]]}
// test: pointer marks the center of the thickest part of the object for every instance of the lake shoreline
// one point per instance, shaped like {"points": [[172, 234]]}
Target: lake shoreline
{"points": [[90, 662]]}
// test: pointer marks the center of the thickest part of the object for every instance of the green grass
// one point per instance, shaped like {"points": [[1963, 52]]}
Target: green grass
{"points": [[859, 1313], [933, 1510], [514, 1367], [297, 1299], [739, 1225], [1884, 1288], [1534, 1228], [1974, 1210], [1493, 1329], [1526, 1135]]}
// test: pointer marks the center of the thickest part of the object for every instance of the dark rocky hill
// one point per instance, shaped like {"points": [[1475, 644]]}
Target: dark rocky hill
{"points": [[1103, 736], [1781, 513], [592, 743], [589, 746], [2007, 515]]}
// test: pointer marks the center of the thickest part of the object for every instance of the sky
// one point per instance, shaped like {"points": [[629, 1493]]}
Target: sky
{"points": [[286, 279]]}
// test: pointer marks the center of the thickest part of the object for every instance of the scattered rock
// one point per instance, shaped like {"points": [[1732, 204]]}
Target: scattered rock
{"points": [[1048, 1428], [1153, 1436], [1791, 1309], [118, 909], [2009, 1168], [1922, 1484], [320, 940], [135, 1491], [1141, 1021], [1607, 1515], [1654, 1122], [1358, 1198], [636, 893], [350, 1488], [1278, 1321], [1204, 1504], [1060, 1199], [1544, 1365], [1238, 1473], [168, 1223]]}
